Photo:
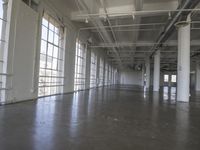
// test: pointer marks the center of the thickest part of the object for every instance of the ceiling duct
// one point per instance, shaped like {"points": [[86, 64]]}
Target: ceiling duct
{"points": [[177, 16]]}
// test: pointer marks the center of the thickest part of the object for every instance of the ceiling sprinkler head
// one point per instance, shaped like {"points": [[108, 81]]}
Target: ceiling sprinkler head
{"points": [[86, 20], [169, 16]]}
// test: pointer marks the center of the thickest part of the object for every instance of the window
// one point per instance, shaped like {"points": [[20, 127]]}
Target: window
{"points": [[80, 63], [173, 79], [101, 71], [32, 3], [51, 80], [3, 22], [93, 69], [166, 78]]}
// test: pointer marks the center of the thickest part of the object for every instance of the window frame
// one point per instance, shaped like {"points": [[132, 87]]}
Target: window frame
{"points": [[80, 66], [51, 69]]}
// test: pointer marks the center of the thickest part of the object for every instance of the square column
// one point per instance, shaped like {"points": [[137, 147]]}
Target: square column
{"points": [[197, 86], [147, 71], [87, 70], [183, 70], [156, 77]]}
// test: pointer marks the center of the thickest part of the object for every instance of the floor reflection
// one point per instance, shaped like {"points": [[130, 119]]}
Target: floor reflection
{"points": [[44, 119], [114, 118], [74, 114], [169, 93], [182, 126]]}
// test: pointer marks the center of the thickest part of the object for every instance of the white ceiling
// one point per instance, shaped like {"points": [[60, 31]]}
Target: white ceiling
{"points": [[134, 42]]}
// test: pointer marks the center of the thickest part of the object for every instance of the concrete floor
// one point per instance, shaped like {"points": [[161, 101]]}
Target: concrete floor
{"points": [[114, 118]]}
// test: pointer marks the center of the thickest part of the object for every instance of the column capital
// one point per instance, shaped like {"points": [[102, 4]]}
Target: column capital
{"points": [[183, 23], [157, 52]]}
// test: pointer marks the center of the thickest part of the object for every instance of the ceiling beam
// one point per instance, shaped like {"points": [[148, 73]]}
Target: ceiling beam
{"points": [[172, 43]]}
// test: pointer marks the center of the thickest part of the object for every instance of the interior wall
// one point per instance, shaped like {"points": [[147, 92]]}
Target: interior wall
{"points": [[24, 49], [24, 32], [21, 50], [131, 77]]}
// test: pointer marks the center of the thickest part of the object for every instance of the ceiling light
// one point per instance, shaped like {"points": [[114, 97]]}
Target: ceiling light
{"points": [[133, 15]]}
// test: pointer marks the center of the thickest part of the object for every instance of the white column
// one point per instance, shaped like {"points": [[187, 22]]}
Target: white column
{"points": [[147, 65], [156, 76], [197, 86], [97, 71], [143, 72], [87, 70], [183, 70]]}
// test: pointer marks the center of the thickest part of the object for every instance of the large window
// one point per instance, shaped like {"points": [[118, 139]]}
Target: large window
{"points": [[3, 18], [80, 63], [101, 71], [173, 78], [93, 68], [166, 78], [51, 80]]}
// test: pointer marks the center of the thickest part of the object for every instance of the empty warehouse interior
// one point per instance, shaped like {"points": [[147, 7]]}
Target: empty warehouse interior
{"points": [[100, 74]]}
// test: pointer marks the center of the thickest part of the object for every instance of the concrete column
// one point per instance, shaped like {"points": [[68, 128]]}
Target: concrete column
{"points": [[108, 74], [147, 66], [143, 72], [170, 79], [197, 86], [104, 66], [183, 70], [98, 70], [156, 76], [87, 70]]}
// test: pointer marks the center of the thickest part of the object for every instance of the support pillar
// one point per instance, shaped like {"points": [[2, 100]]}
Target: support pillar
{"points": [[197, 86], [147, 65], [156, 76], [143, 72], [98, 70], [183, 70], [87, 70]]}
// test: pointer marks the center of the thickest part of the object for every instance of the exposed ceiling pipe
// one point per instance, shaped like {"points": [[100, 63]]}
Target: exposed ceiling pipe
{"points": [[109, 23], [138, 13], [169, 28], [103, 33], [108, 19]]}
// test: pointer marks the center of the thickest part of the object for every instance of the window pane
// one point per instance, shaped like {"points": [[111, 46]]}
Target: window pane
{"points": [[166, 78], [173, 78], [51, 34], [56, 41], [55, 52], [80, 60], [44, 33], [43, 47], [45, 22], [50, 50]]}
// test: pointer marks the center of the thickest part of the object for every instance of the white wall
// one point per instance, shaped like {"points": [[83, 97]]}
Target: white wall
{"points": [[130, 77], [21, 50]]}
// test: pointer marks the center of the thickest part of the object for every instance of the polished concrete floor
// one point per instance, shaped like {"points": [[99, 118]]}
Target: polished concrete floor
{"points": [[113, 118]]}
